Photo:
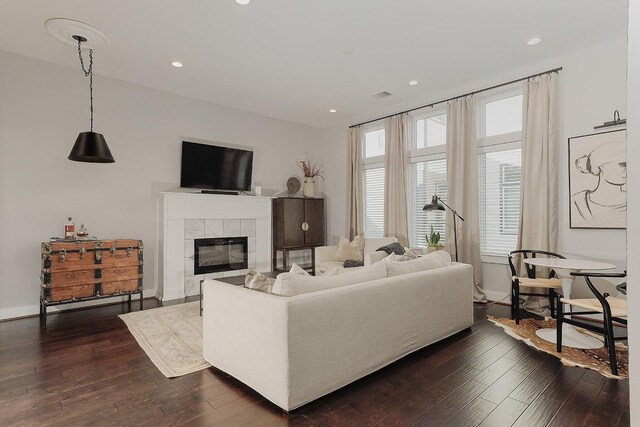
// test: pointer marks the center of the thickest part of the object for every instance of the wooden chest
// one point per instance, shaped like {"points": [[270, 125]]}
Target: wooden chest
{"points": [[90, 269]]}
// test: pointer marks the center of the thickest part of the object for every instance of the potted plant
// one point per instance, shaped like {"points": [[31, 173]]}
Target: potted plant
{"points": [[433, 241], [310, 172]]}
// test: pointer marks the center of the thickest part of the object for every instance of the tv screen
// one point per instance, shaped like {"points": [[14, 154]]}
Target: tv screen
{"points": [[215, 168]]}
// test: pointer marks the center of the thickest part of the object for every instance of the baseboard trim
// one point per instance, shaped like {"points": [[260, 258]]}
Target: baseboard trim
{"points": [[28, 311]]}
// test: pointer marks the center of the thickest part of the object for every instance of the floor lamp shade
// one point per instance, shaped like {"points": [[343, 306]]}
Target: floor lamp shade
{"points": [[91, 147]]}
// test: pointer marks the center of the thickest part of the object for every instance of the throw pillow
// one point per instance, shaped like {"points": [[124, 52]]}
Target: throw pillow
{"points": [[438, 259], [373, 257], [350, 263], [296, 269], [258, 282], [350, 250], [393, 248], [294, 284], [408, 256]]}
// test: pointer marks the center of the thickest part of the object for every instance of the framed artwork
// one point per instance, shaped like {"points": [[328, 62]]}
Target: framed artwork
{"points": [[598, 180]]}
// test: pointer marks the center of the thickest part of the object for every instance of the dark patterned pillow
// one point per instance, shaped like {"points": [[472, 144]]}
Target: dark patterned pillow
{"points": [[351, 263], [392, 248]]}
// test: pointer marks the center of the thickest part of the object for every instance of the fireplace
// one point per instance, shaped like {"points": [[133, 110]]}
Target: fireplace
{"points": [[220, 254]]}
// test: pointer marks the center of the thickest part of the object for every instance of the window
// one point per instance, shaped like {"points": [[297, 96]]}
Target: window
{"points": [[427, 175], [374, 143], [428, 178], [431, 131], [499, 170], [373, 182], [503, 116], [499, 200]]}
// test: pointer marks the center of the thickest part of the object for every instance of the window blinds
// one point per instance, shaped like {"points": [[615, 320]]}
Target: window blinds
{"points": [[373, 188], [427, 178], [499, 184]]}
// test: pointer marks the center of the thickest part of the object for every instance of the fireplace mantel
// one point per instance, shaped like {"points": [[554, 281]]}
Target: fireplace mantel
{"points": [[183, 216]]}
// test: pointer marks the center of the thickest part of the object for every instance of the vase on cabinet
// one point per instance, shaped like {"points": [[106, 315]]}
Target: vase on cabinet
{"points": [[309, 187]]}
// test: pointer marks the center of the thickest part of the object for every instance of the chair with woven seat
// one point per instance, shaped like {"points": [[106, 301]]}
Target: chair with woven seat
{"points": [[613, 310], [532, 281]]}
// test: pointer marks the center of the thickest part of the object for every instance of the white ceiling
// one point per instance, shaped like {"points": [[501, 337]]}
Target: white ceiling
{"points": [[284, 58]]}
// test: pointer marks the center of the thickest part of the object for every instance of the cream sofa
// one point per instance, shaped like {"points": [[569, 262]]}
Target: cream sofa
{"points": [[325, 255], [293, 350]]}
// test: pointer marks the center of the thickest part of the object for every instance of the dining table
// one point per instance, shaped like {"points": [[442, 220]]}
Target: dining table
{"points": [[563, 268]]}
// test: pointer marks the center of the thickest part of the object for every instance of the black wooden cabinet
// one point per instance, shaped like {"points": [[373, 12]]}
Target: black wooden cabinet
{"points": [[298, 223]]}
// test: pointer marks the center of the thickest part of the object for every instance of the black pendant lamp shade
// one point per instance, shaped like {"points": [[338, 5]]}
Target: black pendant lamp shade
{"points": [[435, 205], [91, 147]]}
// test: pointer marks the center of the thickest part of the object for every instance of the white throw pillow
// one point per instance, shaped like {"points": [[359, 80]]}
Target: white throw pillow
{"points": [[350, 250], [408, 256], [258, 282], [296, 269], [431, 261], [294, 284], [373, 257]]}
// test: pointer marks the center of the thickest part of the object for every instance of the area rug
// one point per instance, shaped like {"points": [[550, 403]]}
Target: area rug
{"points": [[171, 336], [596, 359]]}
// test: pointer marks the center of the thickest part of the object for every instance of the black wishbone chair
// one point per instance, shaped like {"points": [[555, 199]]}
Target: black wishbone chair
{"points": [[612, 308], [532, 281]]}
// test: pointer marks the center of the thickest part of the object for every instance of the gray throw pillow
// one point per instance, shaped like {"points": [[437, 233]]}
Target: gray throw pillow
{"points": [[352, 263], [392, 248]]}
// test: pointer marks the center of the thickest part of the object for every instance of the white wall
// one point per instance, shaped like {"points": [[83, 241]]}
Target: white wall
{"points": [[633, 232], [592, 86], [42, 109]]}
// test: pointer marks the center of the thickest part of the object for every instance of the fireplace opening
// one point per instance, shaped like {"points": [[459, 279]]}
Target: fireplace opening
{"points": [[220, 254]]}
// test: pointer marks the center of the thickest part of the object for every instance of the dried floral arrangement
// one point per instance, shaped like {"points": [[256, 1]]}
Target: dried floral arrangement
{"points": [[310, 170]]}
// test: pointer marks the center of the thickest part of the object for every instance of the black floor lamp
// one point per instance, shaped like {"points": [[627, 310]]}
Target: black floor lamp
{"points": [[437, 205]]}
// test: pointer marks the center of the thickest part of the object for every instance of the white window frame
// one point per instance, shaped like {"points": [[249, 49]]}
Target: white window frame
{"points": [[418, 155], [489, 144], [373, 162]]}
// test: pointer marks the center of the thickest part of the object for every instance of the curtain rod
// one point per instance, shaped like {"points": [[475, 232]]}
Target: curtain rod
{"points": [[554, 70]]}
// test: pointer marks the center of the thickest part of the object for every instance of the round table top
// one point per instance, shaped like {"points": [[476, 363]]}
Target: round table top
{"points": [[569, 264]]}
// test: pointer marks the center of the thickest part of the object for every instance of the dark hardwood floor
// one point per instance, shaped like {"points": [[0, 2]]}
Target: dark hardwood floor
{"points": [[87, 369]]}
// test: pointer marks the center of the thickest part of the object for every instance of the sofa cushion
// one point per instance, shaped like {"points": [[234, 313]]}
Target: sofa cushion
{"points": [[292, 284], [431, 261], [350, 250]]}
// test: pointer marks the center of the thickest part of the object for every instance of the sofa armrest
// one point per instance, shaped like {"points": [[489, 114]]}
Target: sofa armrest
{"points": [[325, 253], [245, 335]]}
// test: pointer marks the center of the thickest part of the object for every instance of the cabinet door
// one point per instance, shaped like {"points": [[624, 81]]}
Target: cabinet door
{"points": [[314, 217], [292, 219]]}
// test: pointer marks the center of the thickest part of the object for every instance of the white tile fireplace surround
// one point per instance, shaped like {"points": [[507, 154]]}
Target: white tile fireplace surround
{"points": [[184, 217]]}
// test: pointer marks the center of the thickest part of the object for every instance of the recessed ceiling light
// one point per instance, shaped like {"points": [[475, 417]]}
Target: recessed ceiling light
{"points": [[533, 41], [333, 110], [243, 2], [177, 64], [413, 82]]}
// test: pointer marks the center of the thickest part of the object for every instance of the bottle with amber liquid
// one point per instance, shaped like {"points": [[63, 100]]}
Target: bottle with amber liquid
{"points": [[69, 229]]}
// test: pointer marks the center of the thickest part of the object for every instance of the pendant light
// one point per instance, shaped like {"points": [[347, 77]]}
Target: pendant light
{"points": [[90, 146]]}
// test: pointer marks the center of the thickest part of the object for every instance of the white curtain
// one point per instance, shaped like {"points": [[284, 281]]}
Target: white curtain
{"points": [[395, 182], [462, 190], [539, 185], [355, 139]]}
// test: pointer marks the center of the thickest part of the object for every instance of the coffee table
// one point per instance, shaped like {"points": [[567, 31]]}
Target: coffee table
{"points": [[571, 337], [236, 281]]}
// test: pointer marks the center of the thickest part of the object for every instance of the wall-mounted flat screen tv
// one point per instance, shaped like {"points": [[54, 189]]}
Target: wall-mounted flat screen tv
{"points": [[212, 167]]}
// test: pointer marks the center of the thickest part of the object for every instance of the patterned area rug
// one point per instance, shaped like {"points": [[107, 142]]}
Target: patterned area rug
{"points": [[171, 336], [596, 359]]}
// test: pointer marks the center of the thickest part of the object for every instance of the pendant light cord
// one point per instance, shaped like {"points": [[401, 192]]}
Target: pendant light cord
{"points": [[88, 73]]}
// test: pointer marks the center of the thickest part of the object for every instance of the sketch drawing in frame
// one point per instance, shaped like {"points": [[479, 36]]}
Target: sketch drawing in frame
{"points": [[598, 180]]}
